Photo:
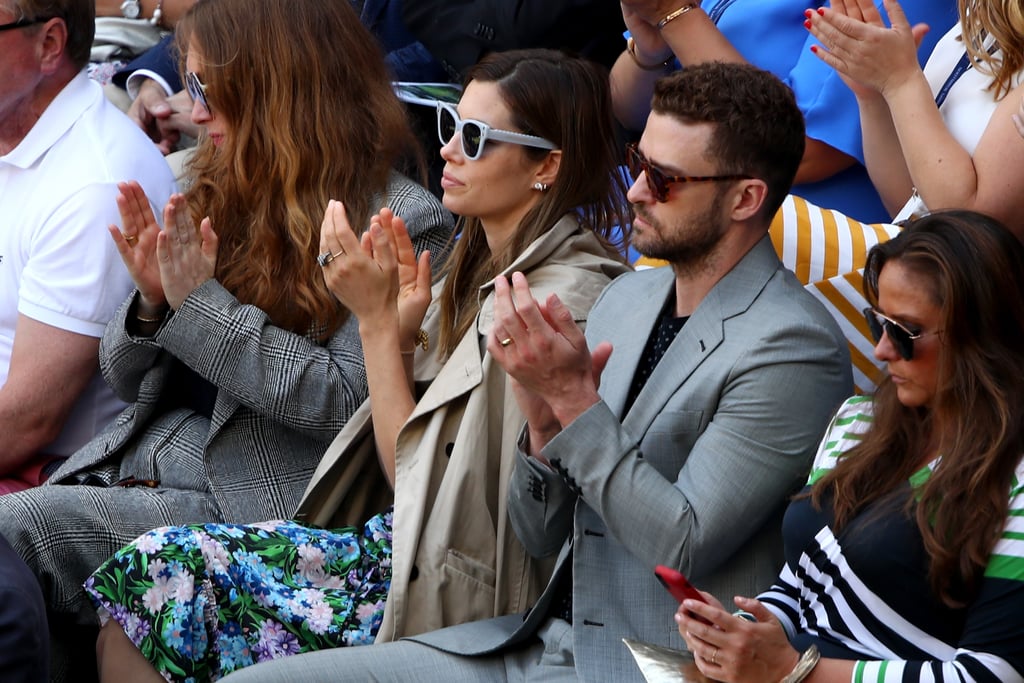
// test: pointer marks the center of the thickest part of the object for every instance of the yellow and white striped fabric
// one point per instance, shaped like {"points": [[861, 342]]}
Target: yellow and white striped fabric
{"points": [[827, 249]]}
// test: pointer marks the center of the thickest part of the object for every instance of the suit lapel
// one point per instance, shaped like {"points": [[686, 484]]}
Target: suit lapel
{"points": [[629, 332], [700, 336]]}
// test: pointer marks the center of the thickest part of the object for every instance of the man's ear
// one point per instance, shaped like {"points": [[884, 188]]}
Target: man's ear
{"points": [[549, 168], [53, 40], [748, 199]]}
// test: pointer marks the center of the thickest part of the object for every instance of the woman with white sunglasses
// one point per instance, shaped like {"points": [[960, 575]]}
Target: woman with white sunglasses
{"points": [[531, 167]]}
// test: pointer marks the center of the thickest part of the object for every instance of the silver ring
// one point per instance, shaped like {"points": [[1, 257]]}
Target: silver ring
{"points": [[506, 341], [326, 257]]}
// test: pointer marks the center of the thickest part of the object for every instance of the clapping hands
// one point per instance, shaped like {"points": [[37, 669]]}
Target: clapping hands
{"points": [[166, 265]]}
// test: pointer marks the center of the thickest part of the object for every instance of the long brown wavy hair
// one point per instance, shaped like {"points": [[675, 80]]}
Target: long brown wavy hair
{"points": [[974, 267], [565, 100], [311, 116], [1004, 21]]}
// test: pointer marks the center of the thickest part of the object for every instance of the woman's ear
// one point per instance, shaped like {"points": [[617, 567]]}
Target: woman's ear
{"points": [[548, 170]]}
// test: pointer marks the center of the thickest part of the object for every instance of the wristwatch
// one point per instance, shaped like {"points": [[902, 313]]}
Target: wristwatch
{"points": [[131, 9]]}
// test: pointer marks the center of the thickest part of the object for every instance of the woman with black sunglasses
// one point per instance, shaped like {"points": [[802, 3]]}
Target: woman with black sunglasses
{"points": [[904, 559], [531, 167]]}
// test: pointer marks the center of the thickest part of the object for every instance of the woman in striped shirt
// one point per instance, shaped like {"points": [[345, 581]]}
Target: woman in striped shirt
{"points": [[905, 552]]}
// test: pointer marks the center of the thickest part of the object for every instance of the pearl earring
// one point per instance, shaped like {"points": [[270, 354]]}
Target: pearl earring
{"points": [[541, 187]]}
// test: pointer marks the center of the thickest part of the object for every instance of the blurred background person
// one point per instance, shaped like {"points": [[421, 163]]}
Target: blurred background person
{"points": [[942, 137]]}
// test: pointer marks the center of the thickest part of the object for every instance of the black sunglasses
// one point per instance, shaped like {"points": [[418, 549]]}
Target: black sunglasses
{"points": [[901, 336], [476, 133], [22, 23], [658, 181]]}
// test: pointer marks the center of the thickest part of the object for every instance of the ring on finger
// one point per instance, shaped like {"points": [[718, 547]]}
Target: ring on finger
{"points": [[326, 257], [130, 239], [506, 341], [714, 657]]}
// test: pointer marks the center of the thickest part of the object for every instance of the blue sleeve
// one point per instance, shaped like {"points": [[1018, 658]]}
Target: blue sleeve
{"points": [[162, 58]]}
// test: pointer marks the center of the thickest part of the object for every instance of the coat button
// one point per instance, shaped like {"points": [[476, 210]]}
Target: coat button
{"points": [[448, 448], [415, 573]]}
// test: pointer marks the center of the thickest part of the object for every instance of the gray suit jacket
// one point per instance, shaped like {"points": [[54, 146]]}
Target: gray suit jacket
{"points": [[694, 476]]}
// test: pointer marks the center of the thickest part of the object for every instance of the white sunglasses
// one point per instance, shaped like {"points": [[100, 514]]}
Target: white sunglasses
{"points": [[475, 133]]}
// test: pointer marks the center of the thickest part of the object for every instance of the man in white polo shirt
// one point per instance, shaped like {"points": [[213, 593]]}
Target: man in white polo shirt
{"points": [[63, 149]]}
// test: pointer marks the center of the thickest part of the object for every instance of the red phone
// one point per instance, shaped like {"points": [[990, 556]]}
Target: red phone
{"points": [[679, 587]]}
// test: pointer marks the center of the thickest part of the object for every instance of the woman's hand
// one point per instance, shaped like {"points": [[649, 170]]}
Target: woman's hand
{"points": [[651, 48], [186, 259], [735, 650], [136, 242], [870, 57], [362, 273], [414, 294]]}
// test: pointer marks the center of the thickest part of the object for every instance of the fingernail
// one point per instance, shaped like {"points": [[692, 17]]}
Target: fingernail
{"points": [[678, 617], [814, 49], [555, 301], [807, 23], [821, 11], [807, 13]]}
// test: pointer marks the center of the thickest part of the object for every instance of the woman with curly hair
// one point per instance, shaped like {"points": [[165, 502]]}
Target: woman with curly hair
{"points": [[239, 363]]}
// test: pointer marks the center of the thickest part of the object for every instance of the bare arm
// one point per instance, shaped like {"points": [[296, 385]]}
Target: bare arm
{"points": [[693, 38], [50, 368], [945, 174], [388, 290]]}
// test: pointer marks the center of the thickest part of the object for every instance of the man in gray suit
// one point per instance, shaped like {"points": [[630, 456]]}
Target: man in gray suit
{"points": [[717, 375]]}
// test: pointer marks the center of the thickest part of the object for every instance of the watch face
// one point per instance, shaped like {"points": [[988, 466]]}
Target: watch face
{"points": [[130, 9]]}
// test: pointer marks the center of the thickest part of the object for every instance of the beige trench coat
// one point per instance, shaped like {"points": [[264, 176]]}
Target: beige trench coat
{"points": [[455, 555]]}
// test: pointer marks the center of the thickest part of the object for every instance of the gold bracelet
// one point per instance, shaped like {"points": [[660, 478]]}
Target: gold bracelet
{"points": [[660, 66], [672, 16]]}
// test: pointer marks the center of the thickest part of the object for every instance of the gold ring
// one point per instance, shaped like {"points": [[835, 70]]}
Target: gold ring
{"points": [[506, 341], [714, 657], [130, 239]]}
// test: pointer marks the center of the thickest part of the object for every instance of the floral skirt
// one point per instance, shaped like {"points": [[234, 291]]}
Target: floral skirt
{"points": [[201, 601]]}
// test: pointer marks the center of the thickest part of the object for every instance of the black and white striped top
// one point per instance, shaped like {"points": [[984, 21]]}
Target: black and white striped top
{"points": [[864, 594]]}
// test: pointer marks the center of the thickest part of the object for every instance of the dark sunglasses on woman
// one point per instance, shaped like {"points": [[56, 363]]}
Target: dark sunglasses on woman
{"points": [[901, 336]]}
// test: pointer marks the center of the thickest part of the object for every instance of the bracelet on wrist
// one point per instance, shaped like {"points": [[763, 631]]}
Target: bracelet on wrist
{"points": [[422, 340], [675, 14], [659, 66], [808, 660]]}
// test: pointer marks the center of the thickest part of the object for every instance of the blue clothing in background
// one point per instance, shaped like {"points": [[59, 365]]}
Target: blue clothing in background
{"points": [[770, 34]]}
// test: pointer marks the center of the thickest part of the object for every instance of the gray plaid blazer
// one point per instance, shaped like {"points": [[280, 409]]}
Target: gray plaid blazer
{"points": [[280, 400]]}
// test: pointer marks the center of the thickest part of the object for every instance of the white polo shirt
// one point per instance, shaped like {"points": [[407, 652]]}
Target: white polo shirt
{"points": [[58, 264]]}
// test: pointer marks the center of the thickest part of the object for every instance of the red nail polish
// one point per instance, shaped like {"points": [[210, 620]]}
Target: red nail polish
{"points": [[814, 49], [807, 13], [821, 11], [807, 23]]}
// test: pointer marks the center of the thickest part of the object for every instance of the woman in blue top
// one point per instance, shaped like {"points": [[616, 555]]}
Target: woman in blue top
{"points": [[904, 558], [769, 34]]}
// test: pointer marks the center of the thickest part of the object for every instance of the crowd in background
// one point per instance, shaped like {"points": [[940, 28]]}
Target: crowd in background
{"points": [[300, 380]]}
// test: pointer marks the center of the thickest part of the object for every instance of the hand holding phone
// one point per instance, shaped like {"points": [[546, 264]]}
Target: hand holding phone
{"points": [[679, 587]]}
